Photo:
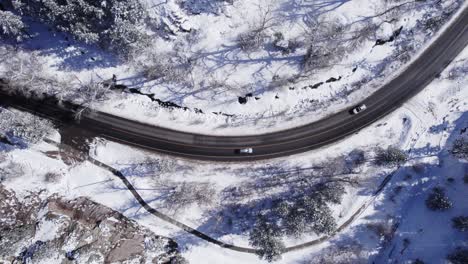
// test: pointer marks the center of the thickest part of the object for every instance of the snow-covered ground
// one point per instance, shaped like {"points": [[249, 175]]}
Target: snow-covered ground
{"points": [[278, 91], [425, 127]]}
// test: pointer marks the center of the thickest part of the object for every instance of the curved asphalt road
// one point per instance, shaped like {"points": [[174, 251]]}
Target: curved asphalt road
{"points": [[300, 139]]}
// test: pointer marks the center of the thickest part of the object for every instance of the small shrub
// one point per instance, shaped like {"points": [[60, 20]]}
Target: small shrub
{"points": [[52, 177], [397, 189], [10, 171], [189, 193], [178, 260], [460, 148], [460, 223], [390, 156], [459, 256], [170, 67], [356, 158], [438, 201], [384, 230], [251, 41], [283, 45], [324, 45]]}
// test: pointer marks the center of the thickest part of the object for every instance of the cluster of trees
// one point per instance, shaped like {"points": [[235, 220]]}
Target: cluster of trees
{"points": [[114, 25], [266, 236], [295, 217], [325, 41], [337, 253]]}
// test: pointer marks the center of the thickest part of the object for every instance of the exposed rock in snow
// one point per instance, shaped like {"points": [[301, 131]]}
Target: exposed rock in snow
{"points": [[55, 230]]}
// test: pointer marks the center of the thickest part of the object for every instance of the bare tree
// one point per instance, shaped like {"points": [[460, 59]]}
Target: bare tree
{"points": [[254, 37]]}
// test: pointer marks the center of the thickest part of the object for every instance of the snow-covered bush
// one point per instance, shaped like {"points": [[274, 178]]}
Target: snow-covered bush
{"points": [[283, 45], [459, 256], [266, 237], [179, 260], [460, 223], [308, 214], [460, 148], [205, 6], [90, 92], [438, 201], [25, 72], [169, 67], [11, 170], [340, 254], [114, 25], [390, 156], [189, 193], [25, 126], [52, 177], [331, 192], [251, 40], [11, 25]]}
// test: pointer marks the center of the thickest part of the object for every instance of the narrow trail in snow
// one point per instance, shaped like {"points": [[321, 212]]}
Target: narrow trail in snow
{"points": [[208, 238]]}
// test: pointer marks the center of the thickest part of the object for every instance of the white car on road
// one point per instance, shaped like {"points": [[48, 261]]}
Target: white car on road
{"points": [[358, 109], [244, 151]]}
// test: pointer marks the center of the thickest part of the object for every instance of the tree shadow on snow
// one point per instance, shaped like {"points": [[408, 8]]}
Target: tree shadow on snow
{"points": [[67, 53]]}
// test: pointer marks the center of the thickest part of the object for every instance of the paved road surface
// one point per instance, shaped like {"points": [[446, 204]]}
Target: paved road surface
{"points": [[300, 139]]}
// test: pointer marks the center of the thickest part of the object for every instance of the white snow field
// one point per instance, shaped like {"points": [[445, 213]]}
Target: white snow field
{"points": [[395, 226]]}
